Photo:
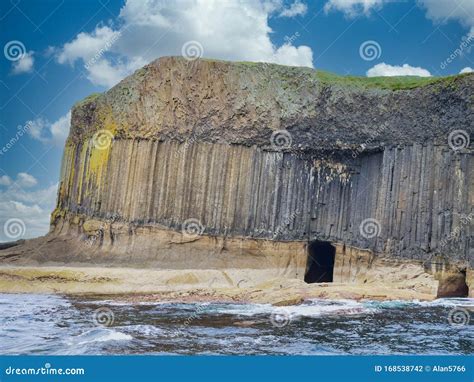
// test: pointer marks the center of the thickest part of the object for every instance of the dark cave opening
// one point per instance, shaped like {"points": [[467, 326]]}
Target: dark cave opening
{"points": [[320, 264], [464, 288], [454, 285]]}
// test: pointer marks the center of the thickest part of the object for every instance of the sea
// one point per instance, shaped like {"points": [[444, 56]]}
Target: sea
{"points": [[35, 324]]}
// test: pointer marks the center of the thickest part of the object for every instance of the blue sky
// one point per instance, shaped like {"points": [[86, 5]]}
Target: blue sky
{"points": [[57, 52]]}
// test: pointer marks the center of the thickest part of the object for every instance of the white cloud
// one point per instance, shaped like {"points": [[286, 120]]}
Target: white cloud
{"points": [[36, 128], [287, 54], [86, 45], [32, 208], [5, 180], [436, 10], [296, 9], [52, 133], [26, 180], [104, 73], [352, 8], [60, 129], [24, 64], [231, 30], [385, 70], [444, 10], [467, 69]]}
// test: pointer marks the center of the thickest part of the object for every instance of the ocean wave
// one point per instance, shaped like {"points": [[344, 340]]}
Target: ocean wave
{"points": [[99, 335], [441, 302], [310, 308], [146, 330]]}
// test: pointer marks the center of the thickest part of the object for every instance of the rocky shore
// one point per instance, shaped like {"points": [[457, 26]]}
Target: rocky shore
{"points": [[256, 182], [137, 285]]}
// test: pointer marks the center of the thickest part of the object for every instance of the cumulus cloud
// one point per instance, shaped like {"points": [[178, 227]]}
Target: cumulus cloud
{"points": [[29, 209], [231, 30], [25, 64], [52, 133], [467, 69], [436, 10], [296, 9], [352, 8], [386, 70], [26, 180], [444, 10], [107, 74], [5, 180], [86, 45], [23, 180]]}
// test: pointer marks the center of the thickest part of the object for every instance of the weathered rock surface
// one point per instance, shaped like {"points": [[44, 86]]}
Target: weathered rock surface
{"points": [[218, 165], [243, 103]]}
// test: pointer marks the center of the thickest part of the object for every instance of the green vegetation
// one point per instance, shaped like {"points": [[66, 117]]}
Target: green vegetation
{"points": [[86, 100], [389, 83]]}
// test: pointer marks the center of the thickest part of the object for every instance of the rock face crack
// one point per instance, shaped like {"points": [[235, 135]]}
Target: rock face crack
{"points": [[244, 164], [271, 152]]}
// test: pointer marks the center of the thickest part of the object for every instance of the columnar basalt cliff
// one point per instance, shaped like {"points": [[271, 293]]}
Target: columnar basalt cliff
{"points": [[210, 164]]}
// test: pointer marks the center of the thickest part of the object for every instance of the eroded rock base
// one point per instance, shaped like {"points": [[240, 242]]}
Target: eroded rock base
{"points": [[90, 256]]}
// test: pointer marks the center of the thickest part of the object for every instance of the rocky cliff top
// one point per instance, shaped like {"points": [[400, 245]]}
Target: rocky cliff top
{"points": [[244, 103]]}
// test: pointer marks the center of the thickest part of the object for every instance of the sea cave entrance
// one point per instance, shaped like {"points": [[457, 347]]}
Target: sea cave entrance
{"points": [[454, 285], [320, 264]]}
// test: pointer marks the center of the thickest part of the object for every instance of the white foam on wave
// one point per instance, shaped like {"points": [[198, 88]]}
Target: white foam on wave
{"points": [[311, 308], [322, 307], [146, 330], [449, 302], [100, 335], [113, 303], [445, 302], [131, 303], [441, 302]]}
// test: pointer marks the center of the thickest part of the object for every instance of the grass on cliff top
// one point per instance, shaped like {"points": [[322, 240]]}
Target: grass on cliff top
{"points": [[89, 98], [385, 83], [392, 83], [388, 83]]}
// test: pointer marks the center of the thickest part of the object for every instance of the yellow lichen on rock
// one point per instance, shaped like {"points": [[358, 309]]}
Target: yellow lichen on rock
{"points": [[92, 227], [100, 146]]}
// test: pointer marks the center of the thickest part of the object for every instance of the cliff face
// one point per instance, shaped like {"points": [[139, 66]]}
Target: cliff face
{"points": [[418, 195], [243, 103], [241, 152]]}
